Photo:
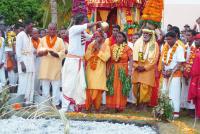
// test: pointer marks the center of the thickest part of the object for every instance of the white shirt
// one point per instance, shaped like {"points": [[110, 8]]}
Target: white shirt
{"points": [[2, 51], [75, 47], [24, 52], [177, 57], [188, 50]]}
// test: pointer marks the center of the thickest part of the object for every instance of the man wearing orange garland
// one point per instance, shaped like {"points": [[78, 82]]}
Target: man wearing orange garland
{"points": [[97, 54], [26, 65], [145, 57], [52, 51], [189, 48], [35, 41], [172, 59]]}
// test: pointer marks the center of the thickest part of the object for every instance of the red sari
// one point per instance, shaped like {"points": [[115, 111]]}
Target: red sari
{"points": [[194, 90]]}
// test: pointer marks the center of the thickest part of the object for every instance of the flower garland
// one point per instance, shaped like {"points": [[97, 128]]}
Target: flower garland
{"points": [[165, 50], [11, 38], [35, 43], [189, 63], [109, 82], [118, 51], [126, 82], [93, 61], [49, 42]]}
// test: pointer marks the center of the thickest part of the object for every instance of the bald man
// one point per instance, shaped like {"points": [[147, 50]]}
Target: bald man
{"points": [[52, 51], [35, 41]]}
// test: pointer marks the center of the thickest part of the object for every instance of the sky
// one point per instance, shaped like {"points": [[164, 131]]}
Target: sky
{"points": [[182, 1], [175, 12]]}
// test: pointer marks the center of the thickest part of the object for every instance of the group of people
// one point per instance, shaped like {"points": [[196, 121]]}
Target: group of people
{"points": [[87, 70]]}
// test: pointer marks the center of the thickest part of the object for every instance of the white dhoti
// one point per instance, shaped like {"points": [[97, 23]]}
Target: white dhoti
{"points": [[55, 90], [37, 81], [12, 78], [174, 93], [184, 96], [26, 86], [2, 78], [104, 98], [131, 98], [73, 83]]}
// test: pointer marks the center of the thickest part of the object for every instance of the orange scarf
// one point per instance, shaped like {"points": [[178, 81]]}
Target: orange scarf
{"points": [[35, 43], [93, 60], [49, 42]]}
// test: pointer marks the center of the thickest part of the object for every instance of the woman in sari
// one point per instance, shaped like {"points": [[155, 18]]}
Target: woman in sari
{"points": [[118, 83]]}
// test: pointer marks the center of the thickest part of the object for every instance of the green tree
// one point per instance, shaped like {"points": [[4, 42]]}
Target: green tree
{"points": [[14, 10], [57, 11]]}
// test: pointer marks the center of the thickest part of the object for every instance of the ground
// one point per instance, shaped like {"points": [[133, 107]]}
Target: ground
{"points": [[164, 128]]}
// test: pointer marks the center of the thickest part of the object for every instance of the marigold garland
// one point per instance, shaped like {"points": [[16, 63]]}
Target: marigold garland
{"points": [[35, 43], [93, 61], [165, 51], [189, 63], [118, 51], [49, 42]]}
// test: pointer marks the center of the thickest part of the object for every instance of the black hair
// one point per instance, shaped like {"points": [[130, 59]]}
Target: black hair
{"points": [[116, 26], [124, 35], [171, 34], [18, 25], [27, 22], [169, 25], [176, 30], [192, 32], [79, 18], [2, 34]]}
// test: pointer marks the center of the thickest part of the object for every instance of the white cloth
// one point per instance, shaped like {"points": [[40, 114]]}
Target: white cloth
{"points": [[2, 61], [26, 86], [75, 46], [104, 98], [55, 90], [2, 50], [12, 78], [131, 98], [174, 92], [24, 51], [73, 81], [184, 96], [2, 77]]}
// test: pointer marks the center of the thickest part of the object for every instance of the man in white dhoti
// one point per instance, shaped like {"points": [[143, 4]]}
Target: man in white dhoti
{"points": [[73, 77], [52, 51], [189, 50], [26, 65], [35, 41], [172, 59], [2, 61]]}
